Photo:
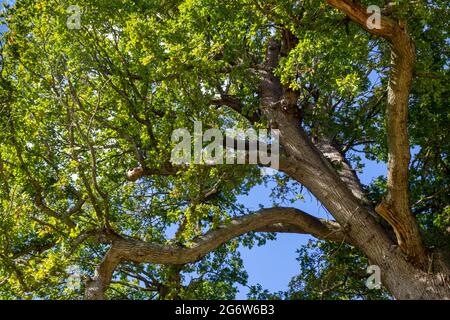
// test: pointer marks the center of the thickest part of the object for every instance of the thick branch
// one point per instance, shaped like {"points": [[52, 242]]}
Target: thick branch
{"points": [[230, 143], [265, 220], [359, 14], [345, 171], [396, 208]]}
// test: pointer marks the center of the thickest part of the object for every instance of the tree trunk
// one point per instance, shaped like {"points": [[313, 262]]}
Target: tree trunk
{"points": [[405, 281], [408, 271], [399, 275], [307, 165]]}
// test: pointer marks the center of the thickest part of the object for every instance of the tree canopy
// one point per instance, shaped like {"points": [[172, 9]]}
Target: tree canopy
{"points": [[87, 114]]}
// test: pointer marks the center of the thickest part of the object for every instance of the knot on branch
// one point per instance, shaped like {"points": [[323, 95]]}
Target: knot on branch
{"points": [[135, 174]]}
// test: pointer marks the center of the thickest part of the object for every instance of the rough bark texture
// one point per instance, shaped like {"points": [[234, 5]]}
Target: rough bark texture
{"points": [[407, 270], [266, 220], [396, 208]]}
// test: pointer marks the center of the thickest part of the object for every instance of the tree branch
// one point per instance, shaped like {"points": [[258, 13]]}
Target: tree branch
{"points": [[395, 208], [265, 220], [236, 105], [230, 143]]}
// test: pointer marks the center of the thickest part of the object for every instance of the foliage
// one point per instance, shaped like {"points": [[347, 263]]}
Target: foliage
{"points": [[78, 108], [328, 271]]}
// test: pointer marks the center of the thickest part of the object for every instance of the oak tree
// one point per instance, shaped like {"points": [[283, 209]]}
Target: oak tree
{"points": [[87, 112]]}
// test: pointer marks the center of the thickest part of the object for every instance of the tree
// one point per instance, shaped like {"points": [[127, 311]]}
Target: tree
{"points": [[87, 114]]}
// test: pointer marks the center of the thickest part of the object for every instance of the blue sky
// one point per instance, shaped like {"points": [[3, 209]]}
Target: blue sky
{"points": [[273, 265]]}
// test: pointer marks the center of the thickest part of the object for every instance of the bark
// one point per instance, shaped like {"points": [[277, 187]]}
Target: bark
{"points": [[407, 271], [266, 220], [404, 279], [395, 208]]}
